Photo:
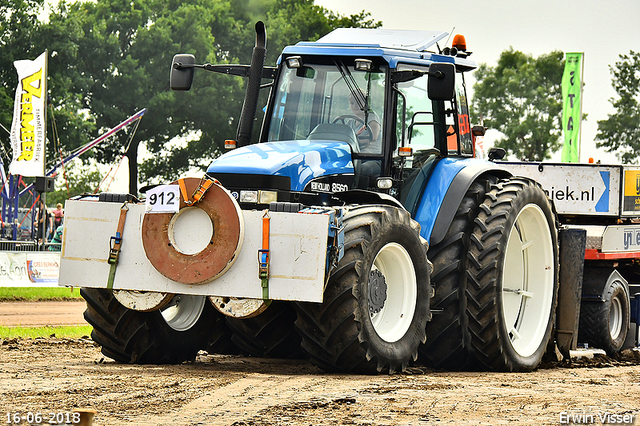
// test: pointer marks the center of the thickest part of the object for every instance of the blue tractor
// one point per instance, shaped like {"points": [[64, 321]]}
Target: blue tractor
{"points": [[425, 253]]}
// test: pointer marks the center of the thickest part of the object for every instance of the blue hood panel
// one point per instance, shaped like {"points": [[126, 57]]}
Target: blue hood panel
{"points": [[301, 161]]}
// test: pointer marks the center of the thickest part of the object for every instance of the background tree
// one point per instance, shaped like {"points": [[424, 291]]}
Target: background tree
{"points": [[522, 98], [81, 179], [620, 132]]}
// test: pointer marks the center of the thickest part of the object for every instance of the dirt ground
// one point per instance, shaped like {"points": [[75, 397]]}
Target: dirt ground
{"points": [[42, 313], [54, 375]]}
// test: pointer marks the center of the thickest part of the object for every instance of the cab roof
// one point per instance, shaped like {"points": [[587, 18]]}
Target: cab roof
{"points": [[412, 40], [392, 45]]}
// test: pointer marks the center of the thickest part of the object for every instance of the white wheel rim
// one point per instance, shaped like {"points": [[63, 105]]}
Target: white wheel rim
{"points": [[615, 318], [143, 301], [528, 281], [183, 311], [237, 307], [394, 319]]}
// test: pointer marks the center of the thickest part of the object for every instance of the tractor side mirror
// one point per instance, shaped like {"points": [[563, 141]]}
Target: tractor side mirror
{"points": [[442, 78], [497, 153], [182, 69], [478, 130]]}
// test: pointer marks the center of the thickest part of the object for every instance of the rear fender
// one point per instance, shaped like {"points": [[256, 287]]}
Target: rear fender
{"points": [[444, 192], [597, 280]]}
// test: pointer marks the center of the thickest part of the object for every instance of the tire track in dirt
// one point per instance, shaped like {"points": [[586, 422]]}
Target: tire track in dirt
{"points": [[253, 396]]}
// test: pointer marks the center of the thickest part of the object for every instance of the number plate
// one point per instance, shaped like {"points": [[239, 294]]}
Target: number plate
{"points": [[163, 199]]}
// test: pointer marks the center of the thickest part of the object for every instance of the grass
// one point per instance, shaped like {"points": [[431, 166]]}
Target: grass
{"points": [[38, 293], [41, 293], [71, 332]]}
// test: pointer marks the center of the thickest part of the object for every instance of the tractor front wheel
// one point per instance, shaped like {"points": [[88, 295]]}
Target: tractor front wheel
{"points": [[376, 304]]}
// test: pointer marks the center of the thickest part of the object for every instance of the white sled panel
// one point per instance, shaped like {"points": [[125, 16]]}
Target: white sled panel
{"points": [[580, 189], [298, 246]]}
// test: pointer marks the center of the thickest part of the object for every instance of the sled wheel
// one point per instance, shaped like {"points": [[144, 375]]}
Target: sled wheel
{"points": [[447, 343], [269, 334], [376, 304], [604, 325], [513, 276], [168, 336]]}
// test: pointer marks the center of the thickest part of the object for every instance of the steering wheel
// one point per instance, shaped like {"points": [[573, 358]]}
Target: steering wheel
{"points": [[363, 132]]}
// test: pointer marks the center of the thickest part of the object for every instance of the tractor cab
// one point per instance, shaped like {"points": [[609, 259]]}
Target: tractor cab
{"points": [[398, 106]]}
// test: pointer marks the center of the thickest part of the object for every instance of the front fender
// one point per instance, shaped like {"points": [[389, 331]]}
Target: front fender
{"points": [[361, 196]]}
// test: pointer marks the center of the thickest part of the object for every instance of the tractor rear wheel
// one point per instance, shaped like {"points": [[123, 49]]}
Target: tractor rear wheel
{"points": [[169, 336], [447, 343], [376, 304], [513, 276], [604, 324]]}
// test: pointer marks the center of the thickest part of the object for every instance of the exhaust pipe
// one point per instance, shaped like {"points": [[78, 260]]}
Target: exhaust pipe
{"points": [[250, 104]]}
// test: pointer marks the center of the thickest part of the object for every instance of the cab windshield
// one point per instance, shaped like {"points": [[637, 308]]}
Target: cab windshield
{"points": [[330, 102]]}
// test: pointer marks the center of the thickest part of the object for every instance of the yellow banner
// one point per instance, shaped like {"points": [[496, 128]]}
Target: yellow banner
{"points": [[28, 130]]}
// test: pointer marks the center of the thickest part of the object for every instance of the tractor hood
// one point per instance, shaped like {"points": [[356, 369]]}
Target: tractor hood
{"points": [[301, 161]]}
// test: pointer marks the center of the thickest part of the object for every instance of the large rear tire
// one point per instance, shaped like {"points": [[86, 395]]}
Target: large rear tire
{"points": [[448, 341], [604, 324], [513, 276], [158, 337], [376, 304], [270, 334]]}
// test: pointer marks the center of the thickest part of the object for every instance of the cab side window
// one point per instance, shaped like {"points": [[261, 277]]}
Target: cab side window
{"points": [[415, 113], [458, 125], [464, 126]]}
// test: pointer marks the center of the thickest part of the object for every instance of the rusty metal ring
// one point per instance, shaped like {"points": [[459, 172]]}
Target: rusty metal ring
{"points": [[221, 249]]}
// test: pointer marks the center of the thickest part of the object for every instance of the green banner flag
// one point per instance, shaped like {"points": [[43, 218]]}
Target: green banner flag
{"points": [[572, 106]]}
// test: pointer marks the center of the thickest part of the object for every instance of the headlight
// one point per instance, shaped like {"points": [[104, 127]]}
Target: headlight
{"points": [[267, 197], [248, 196], [260, 197], [384, 183]]}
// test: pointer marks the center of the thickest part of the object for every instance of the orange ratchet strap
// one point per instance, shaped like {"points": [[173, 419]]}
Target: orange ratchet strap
{"points": [[263, 256], [203, 187], [115, 245]]}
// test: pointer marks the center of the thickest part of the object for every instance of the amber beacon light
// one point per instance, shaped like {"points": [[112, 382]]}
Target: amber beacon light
{"points": [[459, 43]]}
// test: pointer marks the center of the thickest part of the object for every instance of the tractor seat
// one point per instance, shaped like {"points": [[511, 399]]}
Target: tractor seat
{"points": [[335, 132]]}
